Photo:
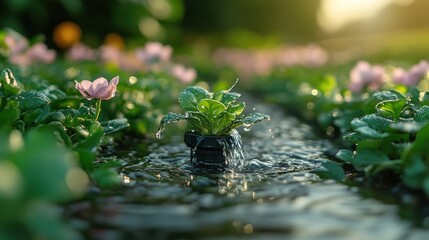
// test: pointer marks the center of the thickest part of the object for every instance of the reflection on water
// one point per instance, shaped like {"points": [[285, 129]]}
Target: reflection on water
{"points": [[274, 196]]}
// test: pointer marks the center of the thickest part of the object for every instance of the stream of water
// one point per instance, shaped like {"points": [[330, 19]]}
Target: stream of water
{"points": [[274, 196]]}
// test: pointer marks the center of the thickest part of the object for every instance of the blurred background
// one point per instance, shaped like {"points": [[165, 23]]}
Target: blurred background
{"points": [[352, 29]]}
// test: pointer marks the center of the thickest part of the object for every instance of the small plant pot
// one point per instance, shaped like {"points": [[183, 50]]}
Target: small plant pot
{"points": [[206, 150]]}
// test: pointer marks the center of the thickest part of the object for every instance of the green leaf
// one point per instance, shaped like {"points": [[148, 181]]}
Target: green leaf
{"points": [[229, 98], [422, 114], [254, 118], [188, 101], [330, 170], [223, 121], [191, 96], [345, 155], [31, 100], [391, 108], [355, 137], [211, 108], [415, 172], [87, 148], [426, 186], [171, 118], [406, 127], [44, 169], [8, 84], [115, 125], [106, 177], [236, 109], [8, 116], [367, 157], [199, 121], [372, 126]]}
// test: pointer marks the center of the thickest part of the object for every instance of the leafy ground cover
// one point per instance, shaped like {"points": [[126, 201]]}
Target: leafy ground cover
{"points": [[57, 113], [378, 113], [55, 119]]}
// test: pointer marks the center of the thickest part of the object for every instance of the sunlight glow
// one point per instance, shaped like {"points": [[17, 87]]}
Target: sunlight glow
{"points": [[335, 14]]}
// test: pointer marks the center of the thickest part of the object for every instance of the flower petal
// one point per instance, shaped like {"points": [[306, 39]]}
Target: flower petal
{"points": [[80, 87], [99, 83], [114, 81], [104, 93]]}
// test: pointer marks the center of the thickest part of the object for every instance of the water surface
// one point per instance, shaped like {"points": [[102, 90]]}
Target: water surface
{"points": [[274, 196]]}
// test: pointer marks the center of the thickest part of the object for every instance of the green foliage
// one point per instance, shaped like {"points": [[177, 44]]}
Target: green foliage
{"points": [[384, 131], [28, 191], [211, 113], [331, 170]]}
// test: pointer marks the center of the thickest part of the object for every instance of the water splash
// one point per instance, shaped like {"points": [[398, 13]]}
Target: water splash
{"points": [[247, 127], [233, 151], [167, 119]]}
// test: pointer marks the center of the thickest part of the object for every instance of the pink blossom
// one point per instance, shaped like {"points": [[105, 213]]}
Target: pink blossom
{"points": [[81, 52], [15, 42], [364, 75], [20, 59], [100, 88], [183, 74], [417, 73], [314, 56], [39, 52], [413, 76], [400, 76], [154, 52], [109, 54]]}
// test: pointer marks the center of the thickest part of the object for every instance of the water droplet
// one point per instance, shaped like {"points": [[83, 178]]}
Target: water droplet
{"points": [[160, 133], [254, 109], [247, 127]]}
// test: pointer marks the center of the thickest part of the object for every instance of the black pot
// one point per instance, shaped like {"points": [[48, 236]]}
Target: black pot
{"points": [[206, 149]]}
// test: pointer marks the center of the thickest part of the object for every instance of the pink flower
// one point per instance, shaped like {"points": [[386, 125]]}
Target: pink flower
{"points": [[183, 74], [81, 52], [413, 76], [15, 42], [400, 76], [155, 52], [100, 88], [364, 75], [110, 54], [39, 52]]}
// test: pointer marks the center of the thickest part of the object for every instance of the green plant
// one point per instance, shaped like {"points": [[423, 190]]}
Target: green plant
{"points": [[216, 113]]}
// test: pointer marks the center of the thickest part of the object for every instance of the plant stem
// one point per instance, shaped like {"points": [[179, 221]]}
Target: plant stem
{"points": [[98, 109]]}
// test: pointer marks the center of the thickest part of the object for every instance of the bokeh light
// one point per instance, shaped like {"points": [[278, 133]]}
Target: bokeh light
{"points": [[66, 34]]}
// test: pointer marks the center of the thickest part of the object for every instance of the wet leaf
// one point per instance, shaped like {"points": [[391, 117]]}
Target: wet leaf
{"points": [[330, 170], [191, 96], [236, 109], [115, 125], [406, 127], [188, 101], [31, 100], [372, 126], [87, 148], [8, 84], [254, 118], [345, 155], [211, 108], [368, 157], [422, 114], [106, 177], [229, 98], [391, 108]]}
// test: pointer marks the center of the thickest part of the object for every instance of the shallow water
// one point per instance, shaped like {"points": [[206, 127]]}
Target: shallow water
{"points": [[275, 196]]}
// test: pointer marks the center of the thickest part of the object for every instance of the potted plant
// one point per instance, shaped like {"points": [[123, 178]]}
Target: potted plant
{"points": [[214, 117]]}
